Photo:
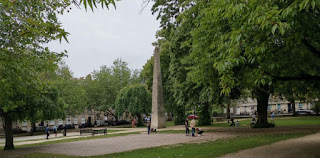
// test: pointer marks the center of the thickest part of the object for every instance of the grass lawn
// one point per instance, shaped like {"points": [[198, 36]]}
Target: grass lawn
{"points": [[52, 137], [76, 139], [279, 121], [203, 150]]}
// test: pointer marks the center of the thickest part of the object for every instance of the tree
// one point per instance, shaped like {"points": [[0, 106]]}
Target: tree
{"points": [[103, 86], [25, 27], [135, 99], [263, 39], [245, 43]]}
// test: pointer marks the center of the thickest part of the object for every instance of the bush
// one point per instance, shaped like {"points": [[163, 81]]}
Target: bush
{"points": [[263, 125]]}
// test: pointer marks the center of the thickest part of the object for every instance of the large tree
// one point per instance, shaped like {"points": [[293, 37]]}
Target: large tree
{"points": [[25, 27], [135, 99]]}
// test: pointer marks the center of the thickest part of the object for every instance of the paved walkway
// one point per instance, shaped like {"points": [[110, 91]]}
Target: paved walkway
{"points": [[304, 147], [112, 145], [41, 138]]}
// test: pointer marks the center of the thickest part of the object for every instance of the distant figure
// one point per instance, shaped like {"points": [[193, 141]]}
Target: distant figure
{"points": [[193, 126], [47, 131], [237, 123], [133, 123], [253, 119], [55, 130], [272, 117], [148, 126], [65, 130], [232, 122], [279, 111], [199, 131], [186, 124]]}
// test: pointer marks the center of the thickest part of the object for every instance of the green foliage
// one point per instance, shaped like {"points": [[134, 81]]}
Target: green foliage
{"points": [[204, 115], [135, 99], [316, 107], [103, 86]]}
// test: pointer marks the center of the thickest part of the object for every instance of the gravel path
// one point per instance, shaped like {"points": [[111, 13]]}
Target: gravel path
{"points": [[113, 144], [304, 147]]}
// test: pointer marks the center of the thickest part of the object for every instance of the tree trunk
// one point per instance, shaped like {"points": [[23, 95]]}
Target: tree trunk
{"points": [[228, 111], [33, 128], [8, 133], [293, 104], [140, 121], [262, 108], [204, 116]]}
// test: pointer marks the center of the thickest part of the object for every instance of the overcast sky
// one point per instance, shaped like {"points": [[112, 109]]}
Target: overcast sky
{"points": [[100, 37]]}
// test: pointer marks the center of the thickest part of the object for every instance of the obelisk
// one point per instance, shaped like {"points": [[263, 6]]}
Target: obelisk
{"points": [[157, 119]]}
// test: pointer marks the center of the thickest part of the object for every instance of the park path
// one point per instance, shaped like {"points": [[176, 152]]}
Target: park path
{"points": [[303, 147], [113, 144], [70, 135]]}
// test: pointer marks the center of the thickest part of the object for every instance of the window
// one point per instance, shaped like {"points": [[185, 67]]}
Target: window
{"points": [[60, 122], [25, 123], [51, 122], [68, 121], [252, 107], [83, 120], [75, 120], [279, 106], [300, 105], [269, 107]]}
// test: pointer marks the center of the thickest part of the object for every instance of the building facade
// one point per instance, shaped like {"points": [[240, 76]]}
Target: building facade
{"points": [[249, 106]]}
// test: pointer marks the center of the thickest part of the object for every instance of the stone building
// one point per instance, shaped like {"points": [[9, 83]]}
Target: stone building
{"points": [[282, 106]]}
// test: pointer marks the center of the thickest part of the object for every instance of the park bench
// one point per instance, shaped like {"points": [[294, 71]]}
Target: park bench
{"points": [[219, 119], [84, 131], [99, 131]]}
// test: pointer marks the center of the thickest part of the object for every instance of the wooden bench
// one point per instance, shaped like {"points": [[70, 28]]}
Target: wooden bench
{"points": [[99, 131], [84, 131]]}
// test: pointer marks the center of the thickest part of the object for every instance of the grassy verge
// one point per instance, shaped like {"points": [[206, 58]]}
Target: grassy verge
{"points": [[194, 150], [76, 139], [279, 121], [52, 137]]}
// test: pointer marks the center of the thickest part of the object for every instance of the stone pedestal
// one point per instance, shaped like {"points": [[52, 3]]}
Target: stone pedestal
{"points": [[158, 119]]}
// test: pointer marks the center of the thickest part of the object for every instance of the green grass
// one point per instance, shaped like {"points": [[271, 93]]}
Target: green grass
{"points": [[279, 121], [169, 123], [52, 137], [194, 150], [76, 139]]}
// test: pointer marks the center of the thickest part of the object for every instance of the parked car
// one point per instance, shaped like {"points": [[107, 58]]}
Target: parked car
{"points": [[304, 112], [60, 127], [192, 116]]}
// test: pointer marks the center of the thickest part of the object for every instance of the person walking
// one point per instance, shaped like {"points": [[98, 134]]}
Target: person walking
{"points": [[193, 126], [65, 130], [148, 126], [47, 131], [55, 130], [272, 117], [186, 124]]}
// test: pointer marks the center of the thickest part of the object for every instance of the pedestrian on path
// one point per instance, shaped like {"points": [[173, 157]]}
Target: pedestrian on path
{"points": [[193, 127], [55, 130], [187, 127], [47, 131], [272, 117], [65, 130], [148, 126]]}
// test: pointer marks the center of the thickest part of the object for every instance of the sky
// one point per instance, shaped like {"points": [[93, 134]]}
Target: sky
{"points": [[100, 37]]}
